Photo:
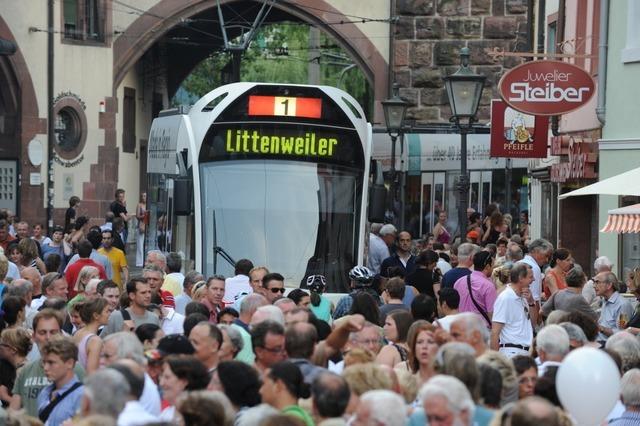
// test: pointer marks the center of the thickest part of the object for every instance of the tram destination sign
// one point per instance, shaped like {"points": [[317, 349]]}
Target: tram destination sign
{"points": [[281, 141], [546, 87]]}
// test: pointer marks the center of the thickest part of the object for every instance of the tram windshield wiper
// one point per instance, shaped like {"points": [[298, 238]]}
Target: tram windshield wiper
{"points": [[223, 253]]}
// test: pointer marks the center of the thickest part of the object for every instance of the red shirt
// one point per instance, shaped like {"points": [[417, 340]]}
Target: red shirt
{"points": [[73, 270], [213, 310], [4, 244]]}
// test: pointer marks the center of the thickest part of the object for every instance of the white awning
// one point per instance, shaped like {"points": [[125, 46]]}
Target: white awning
{"points": [[627, 183], [623, 220]]}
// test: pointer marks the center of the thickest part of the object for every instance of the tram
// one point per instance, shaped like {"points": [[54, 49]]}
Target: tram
{"points": [[274, 173]]}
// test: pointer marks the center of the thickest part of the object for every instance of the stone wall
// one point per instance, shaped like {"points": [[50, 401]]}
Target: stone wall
{"points": [[428, 38]]}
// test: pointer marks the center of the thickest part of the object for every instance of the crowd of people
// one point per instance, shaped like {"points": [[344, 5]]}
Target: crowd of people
{"points": [[434, 332]]}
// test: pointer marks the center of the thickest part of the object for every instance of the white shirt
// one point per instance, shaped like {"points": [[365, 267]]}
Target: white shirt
{"points": [[172, 321], [234, 287], [150, 399], [13, 272], [168, 414], [511, 310], [536, 285], [37, 303], [443, 265], [445, 322], [134, 414]]}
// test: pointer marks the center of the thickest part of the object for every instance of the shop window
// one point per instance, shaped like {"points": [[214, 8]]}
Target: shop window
{"points": [[129, 120], [631, 51], [551, 37], [84, 20]]}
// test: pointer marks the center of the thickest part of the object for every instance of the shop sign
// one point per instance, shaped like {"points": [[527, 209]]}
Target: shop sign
{"points": [[546, 87], [582, 159], [517, 135]]}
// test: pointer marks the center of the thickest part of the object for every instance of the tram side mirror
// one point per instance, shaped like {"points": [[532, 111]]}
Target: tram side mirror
{"points": [[377, 195], [182, 197]]}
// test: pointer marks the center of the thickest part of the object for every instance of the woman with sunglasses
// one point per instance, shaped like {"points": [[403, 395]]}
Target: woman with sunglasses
{"points": [[320, 305]]}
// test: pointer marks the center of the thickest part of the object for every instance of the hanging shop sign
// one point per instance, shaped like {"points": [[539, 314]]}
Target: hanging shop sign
{"points": [[546, 87], [517, 135], [581, 155]]}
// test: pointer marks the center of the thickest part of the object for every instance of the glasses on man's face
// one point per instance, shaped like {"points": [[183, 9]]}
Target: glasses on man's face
{"points": [[275, 290], [597, 281], [276, 350]]}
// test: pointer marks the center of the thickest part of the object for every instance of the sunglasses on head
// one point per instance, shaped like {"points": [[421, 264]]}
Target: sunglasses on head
{"points": [[280, 290]]}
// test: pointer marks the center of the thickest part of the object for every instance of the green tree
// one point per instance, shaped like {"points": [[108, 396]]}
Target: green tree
{"points": [[279, 53]]}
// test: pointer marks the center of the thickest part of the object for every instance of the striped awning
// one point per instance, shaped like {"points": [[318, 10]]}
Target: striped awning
{"points": [[623, 220]]}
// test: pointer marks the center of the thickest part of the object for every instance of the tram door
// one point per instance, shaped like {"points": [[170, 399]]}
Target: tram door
{"points": [[480, 190], [432, 200]]}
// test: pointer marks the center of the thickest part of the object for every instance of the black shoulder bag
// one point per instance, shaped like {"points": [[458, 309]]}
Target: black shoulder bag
{"points": [[46, 411], [478, 307]]}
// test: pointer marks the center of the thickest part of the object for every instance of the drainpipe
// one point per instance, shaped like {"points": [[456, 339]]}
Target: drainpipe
{"points": [[560, 27], [392, 48], [603, 47]]}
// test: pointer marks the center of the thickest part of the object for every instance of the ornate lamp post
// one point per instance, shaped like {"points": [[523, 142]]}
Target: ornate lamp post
{"points": [[464, 90], [394, 111]]}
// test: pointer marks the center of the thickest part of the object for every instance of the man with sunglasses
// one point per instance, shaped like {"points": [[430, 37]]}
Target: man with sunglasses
{"points": [[273, 284]]}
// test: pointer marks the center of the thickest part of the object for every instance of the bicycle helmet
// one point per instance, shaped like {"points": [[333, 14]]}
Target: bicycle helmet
{"points": [[316, 283], [361, 275]]}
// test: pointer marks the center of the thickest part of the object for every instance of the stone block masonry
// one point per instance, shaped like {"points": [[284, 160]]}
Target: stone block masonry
{"points": [[427, 40]]}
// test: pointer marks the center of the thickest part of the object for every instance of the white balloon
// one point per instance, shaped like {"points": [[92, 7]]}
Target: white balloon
{"points": [[588, 385]]}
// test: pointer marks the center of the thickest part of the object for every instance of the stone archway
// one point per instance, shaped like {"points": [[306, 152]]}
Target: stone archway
{"points": [[147, 29], [21, 107]]}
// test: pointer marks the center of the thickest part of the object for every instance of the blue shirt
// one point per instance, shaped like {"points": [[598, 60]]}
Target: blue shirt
{"points": [[450, 278], [394, 261], [611, 310], [67, 408], [628, 418]]}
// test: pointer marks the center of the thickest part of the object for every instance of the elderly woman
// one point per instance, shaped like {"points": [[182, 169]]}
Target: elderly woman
{"points": [[232, 342], [87, 273]]}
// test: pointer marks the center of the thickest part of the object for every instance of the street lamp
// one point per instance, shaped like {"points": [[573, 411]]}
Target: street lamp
{"points": [[394, 111], [464, 89]]}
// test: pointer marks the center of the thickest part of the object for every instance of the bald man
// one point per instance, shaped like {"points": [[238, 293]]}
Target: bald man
{"points": [[33, 275]]}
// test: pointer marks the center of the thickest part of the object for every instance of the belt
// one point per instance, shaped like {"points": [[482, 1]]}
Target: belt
{"points": [[513, 345]]}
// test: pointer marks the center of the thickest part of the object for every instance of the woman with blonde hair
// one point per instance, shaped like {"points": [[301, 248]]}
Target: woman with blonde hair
{"points": [[87, 273], [199, 291], [29, 251], [15, 344]]}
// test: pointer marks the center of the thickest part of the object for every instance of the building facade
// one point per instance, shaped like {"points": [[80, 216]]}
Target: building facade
{"points": [[620, 143], [116, 65]]}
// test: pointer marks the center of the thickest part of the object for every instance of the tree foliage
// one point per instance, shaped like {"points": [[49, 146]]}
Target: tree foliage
{"points": [[280, 53]]}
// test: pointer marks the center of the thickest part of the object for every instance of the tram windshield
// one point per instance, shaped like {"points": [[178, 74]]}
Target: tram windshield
{"points": [[297, 218]]}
